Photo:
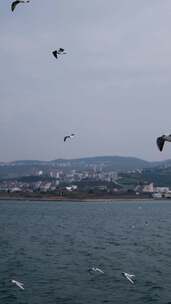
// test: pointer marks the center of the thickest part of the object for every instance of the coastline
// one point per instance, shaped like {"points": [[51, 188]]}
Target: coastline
{"points": [[79, 199]]}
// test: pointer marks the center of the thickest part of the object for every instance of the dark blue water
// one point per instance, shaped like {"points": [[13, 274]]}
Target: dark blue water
{"points": [[50, 247]]}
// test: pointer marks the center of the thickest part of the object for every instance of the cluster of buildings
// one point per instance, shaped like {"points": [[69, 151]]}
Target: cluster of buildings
{"points": [[91, 180], [27, 187], [52, 179], [156, 192]]}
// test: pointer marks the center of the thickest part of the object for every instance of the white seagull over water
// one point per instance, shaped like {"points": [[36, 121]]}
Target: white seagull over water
{"points": [[97, 269], [19, 284], [161, 140], [129, 277]]}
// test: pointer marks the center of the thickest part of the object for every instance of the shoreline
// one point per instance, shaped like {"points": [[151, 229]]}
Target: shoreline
{"points": [[67, 199]]}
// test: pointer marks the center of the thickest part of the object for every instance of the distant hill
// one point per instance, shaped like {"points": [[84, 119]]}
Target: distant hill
{"points": [[116, 162], [107, 162], [34, 170], [112, 162]]}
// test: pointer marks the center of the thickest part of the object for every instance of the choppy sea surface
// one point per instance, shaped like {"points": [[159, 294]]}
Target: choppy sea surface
{"points": [[50, 246]]}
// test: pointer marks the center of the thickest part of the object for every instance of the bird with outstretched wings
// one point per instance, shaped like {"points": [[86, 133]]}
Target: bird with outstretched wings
{"points": [[160, 141], [69, 137], [15, 3], [19, 284], [60, 51]]}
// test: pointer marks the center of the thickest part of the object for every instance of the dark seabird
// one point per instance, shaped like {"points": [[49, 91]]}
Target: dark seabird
{"points": [[60, 51], [161, 140], [15, 3], [69, 136]]}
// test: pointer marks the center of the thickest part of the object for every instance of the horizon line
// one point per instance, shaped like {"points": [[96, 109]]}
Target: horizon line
{"points": [[79, 158]]}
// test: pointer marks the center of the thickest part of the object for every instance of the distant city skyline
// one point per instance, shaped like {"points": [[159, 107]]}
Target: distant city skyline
{"points": [[112, 88]]}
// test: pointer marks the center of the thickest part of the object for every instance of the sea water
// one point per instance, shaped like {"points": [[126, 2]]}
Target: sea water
{"points": [[50, 247]]}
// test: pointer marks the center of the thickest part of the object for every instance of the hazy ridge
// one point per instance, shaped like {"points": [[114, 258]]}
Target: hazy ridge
{"points": [[104, 163], [115, 162]]}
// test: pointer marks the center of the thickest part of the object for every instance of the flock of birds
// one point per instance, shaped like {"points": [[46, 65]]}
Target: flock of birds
{"points": [[126, 275], [160, 144], [56, 53]]}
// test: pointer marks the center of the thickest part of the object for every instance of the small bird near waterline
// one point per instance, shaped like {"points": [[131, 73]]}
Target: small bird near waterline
{"points": [[129, 277], [69, 137], [15, 3], [19, 284], [95, 269], [161, 140]]}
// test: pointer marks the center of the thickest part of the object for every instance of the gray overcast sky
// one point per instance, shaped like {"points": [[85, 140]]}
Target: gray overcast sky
{"points": [[113, 88]]}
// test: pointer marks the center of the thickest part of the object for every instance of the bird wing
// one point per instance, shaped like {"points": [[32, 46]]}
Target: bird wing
{"points": [[65, 138], [14, 4], [20, 285], [160, 142], [129, 279], [55, 54], [99, 270]]}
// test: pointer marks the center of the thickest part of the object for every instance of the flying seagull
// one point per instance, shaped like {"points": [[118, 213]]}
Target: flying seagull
{"points": [[60, 51], [129, 277], [69, 136], [95, 269], [161, 140], [15, 3], [20, 285]]}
